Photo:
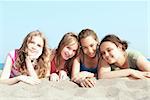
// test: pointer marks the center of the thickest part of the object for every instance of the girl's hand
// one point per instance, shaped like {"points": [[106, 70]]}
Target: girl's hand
{"points": [[54, 77], [146, 74], [138, 74], [28, 61], [29, 79], [87, 82], [63, 75], [83, 75], [30, 67]]}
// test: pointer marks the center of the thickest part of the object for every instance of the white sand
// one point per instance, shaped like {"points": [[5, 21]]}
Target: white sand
{"points": [[106, 89]]}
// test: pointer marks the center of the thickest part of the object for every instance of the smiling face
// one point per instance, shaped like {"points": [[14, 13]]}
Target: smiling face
{"points": [[110, 52], [35, 47], [69, 51], [89, 46]]}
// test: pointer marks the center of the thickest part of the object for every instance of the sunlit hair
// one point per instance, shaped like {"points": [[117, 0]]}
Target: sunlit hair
{"points": [[88, 32], [42, 62], [116, 40], [85, 33], [68, 39]]}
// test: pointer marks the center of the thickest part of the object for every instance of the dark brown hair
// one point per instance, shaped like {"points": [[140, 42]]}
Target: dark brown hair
{"points": [[116, 40]]}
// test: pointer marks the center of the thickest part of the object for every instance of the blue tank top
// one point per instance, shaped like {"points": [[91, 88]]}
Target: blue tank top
{"points": [[93, 69], [84, 68]]}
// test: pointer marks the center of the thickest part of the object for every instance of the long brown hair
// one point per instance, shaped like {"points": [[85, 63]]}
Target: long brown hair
{"points": [[42, 62], [68, 39]]}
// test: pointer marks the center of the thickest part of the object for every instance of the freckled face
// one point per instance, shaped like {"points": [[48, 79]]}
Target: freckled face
{"points": [[69, 51], [35, 47], [110, 52], [89, 46]]}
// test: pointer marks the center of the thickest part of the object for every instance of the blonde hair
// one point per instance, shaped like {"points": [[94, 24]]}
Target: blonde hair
{"points": [[43, 62], [67, 40]]}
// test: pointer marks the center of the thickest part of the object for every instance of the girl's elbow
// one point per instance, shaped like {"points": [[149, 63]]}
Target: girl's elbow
{"points": [[148, 69]]}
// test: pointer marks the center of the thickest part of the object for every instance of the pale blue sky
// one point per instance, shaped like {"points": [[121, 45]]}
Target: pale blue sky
{"points": [[128, 19]]}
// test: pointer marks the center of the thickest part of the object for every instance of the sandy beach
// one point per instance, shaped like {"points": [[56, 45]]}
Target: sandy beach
{"points": [[105, 89]]}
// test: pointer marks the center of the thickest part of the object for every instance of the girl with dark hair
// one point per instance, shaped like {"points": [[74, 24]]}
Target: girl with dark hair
{"points": [[119, 62]]}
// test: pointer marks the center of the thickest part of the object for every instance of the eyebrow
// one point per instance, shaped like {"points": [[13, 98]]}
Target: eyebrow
{"points": [[89, 45]]}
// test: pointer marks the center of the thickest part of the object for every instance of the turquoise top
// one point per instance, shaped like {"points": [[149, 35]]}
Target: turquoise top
{"points": [[84, 68], [1, 66]]}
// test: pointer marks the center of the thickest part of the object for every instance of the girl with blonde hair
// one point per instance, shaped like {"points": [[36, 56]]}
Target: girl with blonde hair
{"points": [[29, 63], [63, 56]]}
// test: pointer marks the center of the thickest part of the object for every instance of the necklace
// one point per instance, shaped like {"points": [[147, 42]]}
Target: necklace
{"points": [[34, 62]]}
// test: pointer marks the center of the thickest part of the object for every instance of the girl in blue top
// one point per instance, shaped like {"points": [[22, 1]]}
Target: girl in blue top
{"points": [[85, 65], [119, 62]]}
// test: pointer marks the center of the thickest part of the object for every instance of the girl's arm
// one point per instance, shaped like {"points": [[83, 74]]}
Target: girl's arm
{"points": [[105, 72], [75, 68], [5, 76], [143, 64], [23, 78], [6, 72], [76, 74], [30, 68]]}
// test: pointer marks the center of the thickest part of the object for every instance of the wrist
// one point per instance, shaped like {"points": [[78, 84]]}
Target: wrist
{"points": [[130, 71], [18, 78], [92, 74]]}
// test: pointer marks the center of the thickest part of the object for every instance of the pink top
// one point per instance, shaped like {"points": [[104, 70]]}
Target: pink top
{"points": [[14, 70]]}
